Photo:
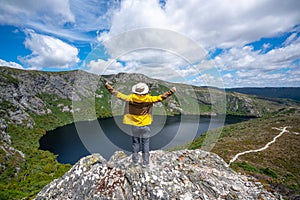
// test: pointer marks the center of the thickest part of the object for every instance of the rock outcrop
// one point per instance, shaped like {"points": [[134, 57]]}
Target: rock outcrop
{"points": [[185, 174], [25, 92], [9, 152]]}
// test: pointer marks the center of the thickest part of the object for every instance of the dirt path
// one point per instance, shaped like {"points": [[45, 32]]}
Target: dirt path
{"points": [[283, 130]]}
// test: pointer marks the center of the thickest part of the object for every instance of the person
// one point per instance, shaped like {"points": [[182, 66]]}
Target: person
{"points": [[138, 114]]}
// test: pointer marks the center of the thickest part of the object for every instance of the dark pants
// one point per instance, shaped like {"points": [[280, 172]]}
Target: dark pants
{"points": [[140, 135]]}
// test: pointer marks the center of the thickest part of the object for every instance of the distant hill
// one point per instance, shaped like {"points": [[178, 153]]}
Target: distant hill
{"points": [[33, 102], [273, 92]]}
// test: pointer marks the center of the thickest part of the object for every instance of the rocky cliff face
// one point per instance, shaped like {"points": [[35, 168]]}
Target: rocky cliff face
{"points": [[185, 174], [23, 94], [22, 91], [21, 99]]}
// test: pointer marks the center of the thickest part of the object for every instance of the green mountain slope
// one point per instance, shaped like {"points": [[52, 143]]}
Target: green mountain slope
{"points": [[273, 92], [33, 102], [277, 167]]}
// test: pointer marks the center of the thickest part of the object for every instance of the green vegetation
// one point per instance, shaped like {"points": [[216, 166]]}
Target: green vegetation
{"points": [[35, 171], [276, 167], [56, 118], [102, 106], [9, 78], [4, 106], [23, 178], [250, 168]]}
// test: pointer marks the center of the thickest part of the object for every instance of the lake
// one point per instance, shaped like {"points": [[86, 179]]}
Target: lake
{"points": [[105, 136]]}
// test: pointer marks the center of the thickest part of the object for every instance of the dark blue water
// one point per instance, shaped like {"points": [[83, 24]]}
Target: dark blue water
{"points": [[74, 141]]}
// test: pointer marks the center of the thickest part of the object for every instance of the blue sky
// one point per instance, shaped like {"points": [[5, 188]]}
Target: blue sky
{"points": [[235, 43]]}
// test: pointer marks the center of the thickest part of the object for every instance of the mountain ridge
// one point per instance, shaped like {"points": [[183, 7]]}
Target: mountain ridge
{"points": [[33, 102], [26, 92], [272, 92]]}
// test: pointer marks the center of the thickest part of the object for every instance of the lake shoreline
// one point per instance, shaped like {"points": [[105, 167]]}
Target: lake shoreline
{"points": [[84, 137]]}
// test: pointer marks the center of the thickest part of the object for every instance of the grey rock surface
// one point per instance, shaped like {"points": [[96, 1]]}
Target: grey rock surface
{"points": [[22, 92], [9, 151], [185, 174]]}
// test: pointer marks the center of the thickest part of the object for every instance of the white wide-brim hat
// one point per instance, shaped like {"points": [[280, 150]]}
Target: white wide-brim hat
{"points": [[140, 88]]}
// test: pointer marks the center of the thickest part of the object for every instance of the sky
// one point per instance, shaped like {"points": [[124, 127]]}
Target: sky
{"points": [[223, 43]]}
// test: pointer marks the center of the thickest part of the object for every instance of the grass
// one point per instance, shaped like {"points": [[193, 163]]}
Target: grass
{"points": [[245, 166], [278, 166]]}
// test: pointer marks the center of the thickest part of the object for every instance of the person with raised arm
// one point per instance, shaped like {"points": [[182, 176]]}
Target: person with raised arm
{"points": [[138, 114]]}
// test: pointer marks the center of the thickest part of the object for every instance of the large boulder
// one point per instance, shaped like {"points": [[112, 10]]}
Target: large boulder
{"points": [[185, 174]]}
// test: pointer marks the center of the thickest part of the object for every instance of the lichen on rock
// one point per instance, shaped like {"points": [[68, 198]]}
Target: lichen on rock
{"points": [[184, 174]]}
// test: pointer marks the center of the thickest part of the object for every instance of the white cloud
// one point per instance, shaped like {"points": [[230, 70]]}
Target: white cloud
{"points": [[103, 67], [214, 23], [277, 67], [228, 76], [290, 39], [181, 28], [68, 19], [138, 14], [151, 55], [93, 15], [219, 23], [208, 79], [10, 64], [53, 17], [155, 63], [159, 70], [156, 39], [49, 52], [238, 58], [211, 24], [47, 11], [258, 78]]}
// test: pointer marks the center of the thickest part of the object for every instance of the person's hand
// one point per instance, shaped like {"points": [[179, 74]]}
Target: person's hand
{"points": [[173, 89], [108, 86], [110, 89], [168, 93]]}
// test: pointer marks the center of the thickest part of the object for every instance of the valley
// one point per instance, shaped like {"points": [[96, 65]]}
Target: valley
{"points": [[33, 102]]}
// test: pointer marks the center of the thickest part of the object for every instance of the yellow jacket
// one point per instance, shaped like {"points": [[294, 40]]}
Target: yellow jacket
{"points": [[138, 109]]}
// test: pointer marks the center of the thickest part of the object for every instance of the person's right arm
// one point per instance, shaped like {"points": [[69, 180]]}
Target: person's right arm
{"points": [[116, 93]]}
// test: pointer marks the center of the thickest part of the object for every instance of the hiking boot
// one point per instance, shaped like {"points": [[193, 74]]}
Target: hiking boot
{"points": [[135, 158], [145, 164], [145, 157]]}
